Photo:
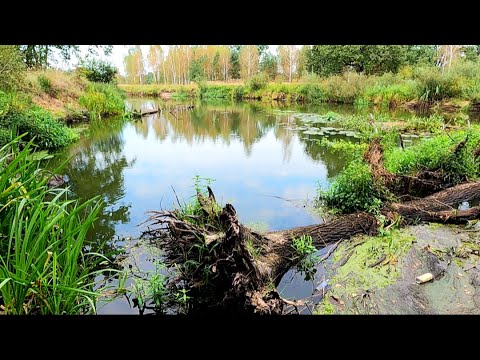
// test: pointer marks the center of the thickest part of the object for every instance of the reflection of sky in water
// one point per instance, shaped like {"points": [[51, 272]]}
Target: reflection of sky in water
{"points": [[240, 179], [256, 162]]}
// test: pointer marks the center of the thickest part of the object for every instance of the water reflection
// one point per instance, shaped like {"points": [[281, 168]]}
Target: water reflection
{"points": [[247, 148], [96, 167], [260, 164]]}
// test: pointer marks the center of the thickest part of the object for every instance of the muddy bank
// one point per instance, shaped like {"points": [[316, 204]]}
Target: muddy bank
{"points": [[360, 284]]}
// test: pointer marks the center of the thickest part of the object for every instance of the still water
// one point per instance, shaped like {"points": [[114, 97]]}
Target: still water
{"points": [[255, 156]]}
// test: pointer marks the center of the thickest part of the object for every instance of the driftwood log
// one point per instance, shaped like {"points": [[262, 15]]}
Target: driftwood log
{"points": [[236, 269]]}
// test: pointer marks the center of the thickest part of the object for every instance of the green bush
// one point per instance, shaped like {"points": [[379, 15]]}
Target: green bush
{"points": [[99, 71], [46, 84], [352, 190], [257, 82], [344, 88], [102, 100], [433, 85], [18, 112], [312, 92]]}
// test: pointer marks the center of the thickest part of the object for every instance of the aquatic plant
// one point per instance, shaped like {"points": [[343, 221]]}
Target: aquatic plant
{"points": [[44, 267]]}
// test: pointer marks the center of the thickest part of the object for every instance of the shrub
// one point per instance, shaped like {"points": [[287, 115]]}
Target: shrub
{"points": [[19, 113], [46, 84], [100, 71], [433, 85], [257, 82], [352, 190], [345, 88], [102, 100]]}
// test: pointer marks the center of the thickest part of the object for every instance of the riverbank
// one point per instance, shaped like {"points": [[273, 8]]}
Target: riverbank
{"points": [[456, 89], [49, 100]]}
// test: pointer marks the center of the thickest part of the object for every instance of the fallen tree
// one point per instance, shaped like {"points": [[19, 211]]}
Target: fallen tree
{"points": [[227, 266], [235, 268]]}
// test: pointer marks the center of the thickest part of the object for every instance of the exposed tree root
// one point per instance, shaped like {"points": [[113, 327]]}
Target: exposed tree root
{"points": [[215, 261]]}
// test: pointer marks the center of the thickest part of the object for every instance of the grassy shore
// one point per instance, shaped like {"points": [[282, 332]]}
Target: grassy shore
{"points": [[458, 87], [48, 99]]}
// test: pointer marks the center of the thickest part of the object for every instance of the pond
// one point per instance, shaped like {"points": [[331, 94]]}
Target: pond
{"points": [[258, 157]]}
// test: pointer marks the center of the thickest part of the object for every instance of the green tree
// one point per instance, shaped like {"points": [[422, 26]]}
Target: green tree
{"points": [[421, 54], [235, 61], [38, 56], [302, 60], [471, 52], [269, 65], [327, 60], [262, 51], [11, 67], [378, 59], [99, 71], [196, 71]]}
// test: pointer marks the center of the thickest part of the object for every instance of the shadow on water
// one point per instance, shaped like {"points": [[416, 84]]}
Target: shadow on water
{"points": [[259, 163]]}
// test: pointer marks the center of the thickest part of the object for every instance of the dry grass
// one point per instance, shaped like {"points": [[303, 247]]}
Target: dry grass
{"points": [[66, 90]]}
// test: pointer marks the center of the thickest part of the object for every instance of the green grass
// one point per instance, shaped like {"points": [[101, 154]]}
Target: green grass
{"points": [[103, 100], [438, 153], [43, 266]]}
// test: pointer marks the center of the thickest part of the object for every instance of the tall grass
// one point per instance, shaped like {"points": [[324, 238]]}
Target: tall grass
{"points": [[43, 266], [102, 100], [439, 153]]}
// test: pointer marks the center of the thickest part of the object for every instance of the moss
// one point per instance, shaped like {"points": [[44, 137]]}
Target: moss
{"points": [[356, 276], [435, 226]]}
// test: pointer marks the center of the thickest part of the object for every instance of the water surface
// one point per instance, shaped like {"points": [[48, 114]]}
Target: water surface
{"points": [[252, 154]]}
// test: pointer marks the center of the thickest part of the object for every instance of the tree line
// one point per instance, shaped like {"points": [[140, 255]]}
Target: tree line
{"points": [[181, 64]]}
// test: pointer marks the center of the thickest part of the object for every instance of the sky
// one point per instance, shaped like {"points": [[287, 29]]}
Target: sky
{"points": [[117, 56]]}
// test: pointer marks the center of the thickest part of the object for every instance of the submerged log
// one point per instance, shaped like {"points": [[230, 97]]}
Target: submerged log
{"points": [[149, 111]]}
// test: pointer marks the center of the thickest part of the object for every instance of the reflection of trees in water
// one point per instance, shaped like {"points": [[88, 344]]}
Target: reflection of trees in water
{"points": [[96, 168], [221, 122], [247, 121], [333, 162]]}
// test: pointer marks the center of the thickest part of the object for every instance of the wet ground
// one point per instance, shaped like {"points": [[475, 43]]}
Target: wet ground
{"points": [[450, 253]]}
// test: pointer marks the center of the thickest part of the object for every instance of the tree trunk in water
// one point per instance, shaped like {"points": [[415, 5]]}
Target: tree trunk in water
{"points": [[245, 281]]}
